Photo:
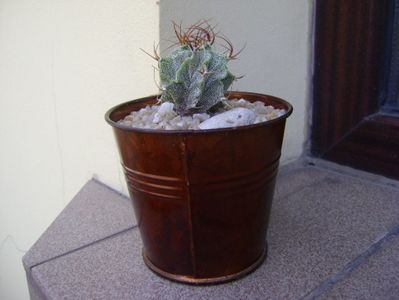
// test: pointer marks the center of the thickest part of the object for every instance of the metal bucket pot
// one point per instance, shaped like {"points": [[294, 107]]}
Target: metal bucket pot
{"points": [[202, 198]]}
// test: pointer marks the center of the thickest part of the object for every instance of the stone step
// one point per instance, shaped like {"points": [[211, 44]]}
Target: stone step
{"points": [[321, 223]]}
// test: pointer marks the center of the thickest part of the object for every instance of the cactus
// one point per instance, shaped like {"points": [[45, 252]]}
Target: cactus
{"points": [[195, 77], [194, 80]]}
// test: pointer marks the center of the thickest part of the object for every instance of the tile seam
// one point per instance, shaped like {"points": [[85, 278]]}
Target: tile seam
{"points": [[300, 188], [349, 172], [82, 247], [119, 193], [351, 266]]}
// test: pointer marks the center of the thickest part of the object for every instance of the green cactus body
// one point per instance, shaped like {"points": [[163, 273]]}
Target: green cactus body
{"points": [[194, 80]]}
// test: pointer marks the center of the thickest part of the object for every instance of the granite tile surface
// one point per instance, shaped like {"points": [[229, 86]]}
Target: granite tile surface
{"points": [[314, 232], [320, 221], [94, 213], [293, 179], [377, 278]]}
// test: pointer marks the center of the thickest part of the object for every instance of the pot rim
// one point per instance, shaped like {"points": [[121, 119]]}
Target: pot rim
{"points": [[197, 131]]}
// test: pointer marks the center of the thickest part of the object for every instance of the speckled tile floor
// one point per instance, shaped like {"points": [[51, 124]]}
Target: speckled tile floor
{"points": [[331, 236]]}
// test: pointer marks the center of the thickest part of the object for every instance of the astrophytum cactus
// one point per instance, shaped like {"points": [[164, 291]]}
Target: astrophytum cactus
{"points": [[195, 77]]}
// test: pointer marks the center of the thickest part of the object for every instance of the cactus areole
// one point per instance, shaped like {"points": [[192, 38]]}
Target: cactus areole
{"points": [[195, 76]]}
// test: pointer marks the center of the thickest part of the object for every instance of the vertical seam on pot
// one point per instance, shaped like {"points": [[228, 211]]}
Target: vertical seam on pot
{"points": [[185, 159]]}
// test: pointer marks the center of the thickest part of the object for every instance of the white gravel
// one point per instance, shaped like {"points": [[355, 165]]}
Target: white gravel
{"points": [[163, 117]]}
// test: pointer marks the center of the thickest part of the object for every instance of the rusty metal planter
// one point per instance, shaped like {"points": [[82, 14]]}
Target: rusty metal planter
{"points": [[202, 198]]}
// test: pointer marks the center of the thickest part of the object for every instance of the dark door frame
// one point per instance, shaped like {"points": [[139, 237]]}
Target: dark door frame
{"points": [[347, 126]]}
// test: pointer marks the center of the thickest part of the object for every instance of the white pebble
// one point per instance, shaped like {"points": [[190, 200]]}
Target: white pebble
{"points": [[232, 118], [165, 108], [201, 117], [163, 117]]}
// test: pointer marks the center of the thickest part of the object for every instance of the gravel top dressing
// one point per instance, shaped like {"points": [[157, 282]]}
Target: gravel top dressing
{"points": [[235, 113]]}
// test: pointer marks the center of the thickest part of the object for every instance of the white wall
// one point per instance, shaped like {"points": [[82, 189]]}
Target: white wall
{"points": [[276, 59], [62, 65]]}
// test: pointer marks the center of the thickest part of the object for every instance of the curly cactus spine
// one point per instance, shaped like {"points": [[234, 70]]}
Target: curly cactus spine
{"points": [[194, 79]]}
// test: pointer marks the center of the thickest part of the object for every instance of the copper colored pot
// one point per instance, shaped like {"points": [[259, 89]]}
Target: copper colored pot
{"points": [[202, 198]]}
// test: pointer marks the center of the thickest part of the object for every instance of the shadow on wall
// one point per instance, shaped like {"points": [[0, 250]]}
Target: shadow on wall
{"points": [[275, 61]]}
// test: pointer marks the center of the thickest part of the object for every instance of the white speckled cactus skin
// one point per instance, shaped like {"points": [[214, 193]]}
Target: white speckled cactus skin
{"points": [[194, 77], [194, 80]]}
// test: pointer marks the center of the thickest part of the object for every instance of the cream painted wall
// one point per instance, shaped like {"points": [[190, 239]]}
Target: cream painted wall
{"points": [[276, 59], [63, 63]]}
